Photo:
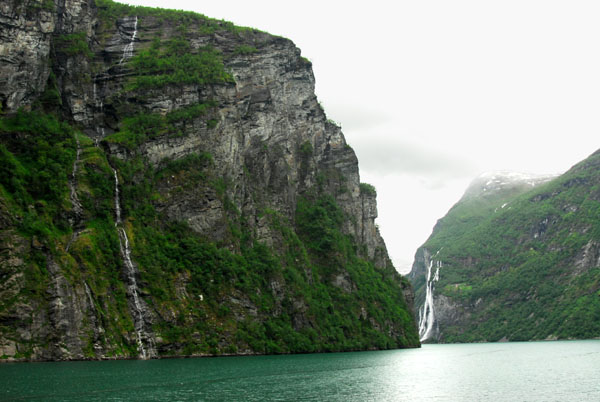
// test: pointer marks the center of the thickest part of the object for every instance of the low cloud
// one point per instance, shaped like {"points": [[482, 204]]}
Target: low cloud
{"points": [[356, 117], [396, 157]]}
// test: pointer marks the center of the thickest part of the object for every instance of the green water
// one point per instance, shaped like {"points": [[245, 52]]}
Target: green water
{"points": [[540, 371]]}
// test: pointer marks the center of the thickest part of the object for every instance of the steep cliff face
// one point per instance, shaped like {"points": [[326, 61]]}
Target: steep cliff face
{"points": [[514, 259], [173, 187]]}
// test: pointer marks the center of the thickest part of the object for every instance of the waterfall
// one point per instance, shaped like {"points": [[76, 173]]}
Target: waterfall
{"points": [[117, 200], [74, 172], [97, 100], [100, 107], [88, 294], [77, 207], [427, 313], [128, 49], [146, 350]]}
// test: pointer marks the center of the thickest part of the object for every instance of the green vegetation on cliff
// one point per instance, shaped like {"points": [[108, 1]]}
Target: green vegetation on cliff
{"points": [[73, 44], [109, 11], [36, 171], [225, 257], [36, 156], [523, 266], [174, 64], [141, 127], [303, 270]]}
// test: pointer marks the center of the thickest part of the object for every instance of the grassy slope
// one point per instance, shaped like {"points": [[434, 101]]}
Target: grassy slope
{"points": [[521, 261]]}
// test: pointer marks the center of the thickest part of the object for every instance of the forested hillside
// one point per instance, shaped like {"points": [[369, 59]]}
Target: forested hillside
{"points": [[516, 262]]}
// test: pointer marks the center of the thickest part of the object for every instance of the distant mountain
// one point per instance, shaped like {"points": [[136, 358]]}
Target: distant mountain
{"points": [[517, 258]]}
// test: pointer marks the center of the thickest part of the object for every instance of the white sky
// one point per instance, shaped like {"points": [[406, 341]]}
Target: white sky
{"points": [[431, 93]]}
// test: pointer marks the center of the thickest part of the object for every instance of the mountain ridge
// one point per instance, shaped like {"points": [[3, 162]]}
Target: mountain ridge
{"points": [[522, 272]]}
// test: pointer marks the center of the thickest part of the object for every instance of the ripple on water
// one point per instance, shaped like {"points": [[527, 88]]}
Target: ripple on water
{"points": [[535, 371]]}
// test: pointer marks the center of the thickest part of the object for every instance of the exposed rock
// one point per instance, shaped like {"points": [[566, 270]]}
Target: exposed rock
{"points": [[270, 144], [24, 50]]}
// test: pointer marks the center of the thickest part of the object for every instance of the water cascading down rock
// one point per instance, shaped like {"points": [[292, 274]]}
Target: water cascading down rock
{"points": [[128, 49], [427, 312], [75, 203], [139, 310]]}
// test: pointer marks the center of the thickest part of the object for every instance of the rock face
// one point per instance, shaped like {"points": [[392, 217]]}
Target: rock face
{"points": [[197, 150], [27, 31], [515, 259]]}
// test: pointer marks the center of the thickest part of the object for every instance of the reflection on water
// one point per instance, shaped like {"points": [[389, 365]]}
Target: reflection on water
{"points": [[540, 371]]}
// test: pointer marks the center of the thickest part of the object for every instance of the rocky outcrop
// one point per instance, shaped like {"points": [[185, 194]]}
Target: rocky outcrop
{"points": [[27, 29], [262, 122], [252, 142]]}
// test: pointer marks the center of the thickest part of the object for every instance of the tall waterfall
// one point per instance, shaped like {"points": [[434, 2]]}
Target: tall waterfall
{"points": [[128, 49], [144, 340], [427, 313]]}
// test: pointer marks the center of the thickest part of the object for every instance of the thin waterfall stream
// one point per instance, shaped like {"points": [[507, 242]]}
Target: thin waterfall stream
{"points": [[100, 107], [77, 207], [143, 338], [128, 49], [138, 308]]}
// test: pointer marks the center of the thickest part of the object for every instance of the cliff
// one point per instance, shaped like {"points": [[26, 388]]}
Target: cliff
{"points": [[171, 186], [515, 259]]}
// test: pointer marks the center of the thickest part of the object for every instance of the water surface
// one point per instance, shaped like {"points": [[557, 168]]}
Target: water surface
{"points": [[537, 371]]}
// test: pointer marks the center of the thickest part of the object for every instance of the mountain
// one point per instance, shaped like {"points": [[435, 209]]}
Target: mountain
{"points": [[170, 186], [517, 259]]}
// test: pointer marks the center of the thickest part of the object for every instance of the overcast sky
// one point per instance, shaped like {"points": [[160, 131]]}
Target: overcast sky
{"points": [[431, 94]]}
